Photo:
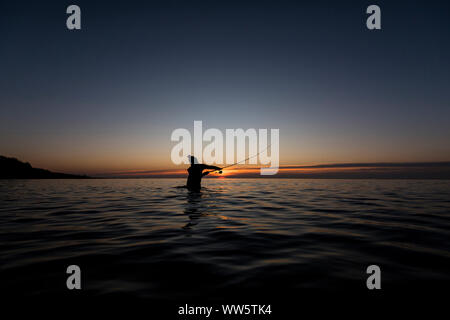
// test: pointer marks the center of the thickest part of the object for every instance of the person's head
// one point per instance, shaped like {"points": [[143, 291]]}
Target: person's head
{"points": [[193, 160]]}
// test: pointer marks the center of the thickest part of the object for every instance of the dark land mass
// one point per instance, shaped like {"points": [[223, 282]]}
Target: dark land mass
{"points": [[11, 168]]}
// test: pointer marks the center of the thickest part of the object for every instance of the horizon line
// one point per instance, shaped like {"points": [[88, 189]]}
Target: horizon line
{"points": [[432, 169]]}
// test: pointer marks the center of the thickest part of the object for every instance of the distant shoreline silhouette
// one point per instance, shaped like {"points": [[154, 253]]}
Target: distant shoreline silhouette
{"points": [[12, 168]]}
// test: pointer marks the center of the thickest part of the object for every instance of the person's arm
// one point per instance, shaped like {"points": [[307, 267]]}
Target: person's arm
{"points": [[206, 167]]}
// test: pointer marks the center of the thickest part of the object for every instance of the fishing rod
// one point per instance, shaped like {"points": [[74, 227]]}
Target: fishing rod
{"points": [[231, 165]]}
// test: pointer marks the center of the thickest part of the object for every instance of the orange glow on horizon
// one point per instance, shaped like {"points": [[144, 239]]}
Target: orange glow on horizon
{"points": [[237, 172]]}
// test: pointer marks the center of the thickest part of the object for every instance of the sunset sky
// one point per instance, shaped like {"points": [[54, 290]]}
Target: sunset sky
{"points": [[107, 98]]}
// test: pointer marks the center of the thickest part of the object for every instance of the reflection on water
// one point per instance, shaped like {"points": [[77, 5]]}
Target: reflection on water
{"points": [[147, 238], [194, 208]]}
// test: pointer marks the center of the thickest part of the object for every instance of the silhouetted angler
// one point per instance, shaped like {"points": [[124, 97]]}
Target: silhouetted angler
{"points": [[194, 181]]}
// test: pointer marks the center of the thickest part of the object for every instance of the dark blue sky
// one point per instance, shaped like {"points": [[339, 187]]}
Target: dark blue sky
{"points": [[108, 96]]}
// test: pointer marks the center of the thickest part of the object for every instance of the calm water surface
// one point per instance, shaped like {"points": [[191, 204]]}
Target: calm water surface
{"points": [[146, 238]]}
